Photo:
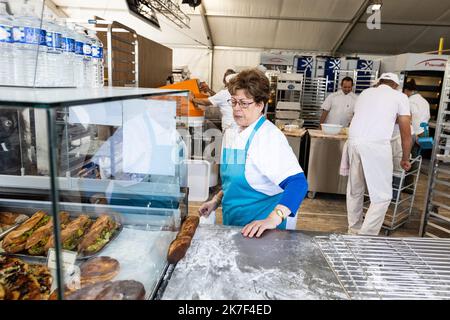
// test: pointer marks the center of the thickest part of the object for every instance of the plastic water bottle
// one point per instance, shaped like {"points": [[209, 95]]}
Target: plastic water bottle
{"points": [[79, 57], [50, 62], [30, 41], [6, 47], [97, 60], [87, 51], [68, 55]]}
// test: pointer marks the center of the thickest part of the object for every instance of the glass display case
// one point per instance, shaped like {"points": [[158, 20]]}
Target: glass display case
{"points": [[109, 161]]}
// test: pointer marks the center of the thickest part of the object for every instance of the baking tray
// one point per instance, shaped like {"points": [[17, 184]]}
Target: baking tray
{"points": [[79, 256]]}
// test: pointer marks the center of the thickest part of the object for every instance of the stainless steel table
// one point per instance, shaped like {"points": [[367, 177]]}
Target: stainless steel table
{"points": [[222, 264], [324, 162]]}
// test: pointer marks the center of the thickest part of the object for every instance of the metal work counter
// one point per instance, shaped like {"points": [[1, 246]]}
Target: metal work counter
{"points": [[294, 139], [222, 264], [324, 162]]}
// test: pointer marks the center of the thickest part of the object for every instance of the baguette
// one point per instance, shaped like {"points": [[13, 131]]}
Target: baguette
{"points": [[178, 248]]}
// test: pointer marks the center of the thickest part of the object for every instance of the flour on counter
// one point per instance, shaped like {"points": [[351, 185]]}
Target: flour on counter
{"points": [[222, 264]]}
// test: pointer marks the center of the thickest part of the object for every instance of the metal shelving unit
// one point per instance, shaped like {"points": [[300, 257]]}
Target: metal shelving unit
{"points": [[314, 94], [436, 216], [289, 96]]}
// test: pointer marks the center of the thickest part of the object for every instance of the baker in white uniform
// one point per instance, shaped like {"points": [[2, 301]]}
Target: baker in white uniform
{"points": [[338, 107], [262, 181], [420, 110], [370, 156], [220, 100]]}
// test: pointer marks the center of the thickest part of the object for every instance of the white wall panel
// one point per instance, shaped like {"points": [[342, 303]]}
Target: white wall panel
{"points": [[196, 59]]}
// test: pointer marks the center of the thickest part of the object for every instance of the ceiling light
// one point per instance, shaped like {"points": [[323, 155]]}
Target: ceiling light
{"points": [[192, 3]]}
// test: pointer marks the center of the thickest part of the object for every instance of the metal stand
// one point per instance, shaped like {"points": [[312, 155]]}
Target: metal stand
{"points": [[436, 217]]}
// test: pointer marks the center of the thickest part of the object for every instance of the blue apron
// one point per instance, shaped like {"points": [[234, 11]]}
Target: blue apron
{"points": [[241, 203]]}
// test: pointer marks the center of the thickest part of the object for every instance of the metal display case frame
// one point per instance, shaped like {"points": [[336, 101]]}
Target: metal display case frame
{"points": [[49, 100]]}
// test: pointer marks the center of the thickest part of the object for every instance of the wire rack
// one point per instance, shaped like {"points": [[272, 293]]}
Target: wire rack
{"points": [[389, 268], [314, 94], [436, 218]]}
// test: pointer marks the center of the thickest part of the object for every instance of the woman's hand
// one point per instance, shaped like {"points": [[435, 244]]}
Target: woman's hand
{"points": [[257, 227], [207, 207]]}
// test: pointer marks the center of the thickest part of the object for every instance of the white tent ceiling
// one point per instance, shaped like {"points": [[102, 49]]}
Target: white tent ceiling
{"points": [[302, 25]]}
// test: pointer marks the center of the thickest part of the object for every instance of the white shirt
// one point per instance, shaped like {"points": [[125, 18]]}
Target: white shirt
{"points": [[420, 112], [220, 99], [376, 112], [340, 107], [270, 158]]}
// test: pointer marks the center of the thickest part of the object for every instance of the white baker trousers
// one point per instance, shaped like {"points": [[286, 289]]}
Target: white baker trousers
{"points": [[371, 164]]}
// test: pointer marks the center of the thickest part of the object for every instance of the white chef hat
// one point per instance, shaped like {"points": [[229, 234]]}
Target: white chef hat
{"points": [[229, 77], [390, 76]]}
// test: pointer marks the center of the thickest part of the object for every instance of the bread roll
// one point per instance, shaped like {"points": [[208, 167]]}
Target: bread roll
{"points": [[178, 248], [8, 218]]}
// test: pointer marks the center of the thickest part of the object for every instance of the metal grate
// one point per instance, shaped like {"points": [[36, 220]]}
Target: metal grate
{"points": [[314, 94], [389, 268]]}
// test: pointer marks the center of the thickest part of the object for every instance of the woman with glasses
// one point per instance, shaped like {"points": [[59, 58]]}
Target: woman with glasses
{"points": [[263, 184]]}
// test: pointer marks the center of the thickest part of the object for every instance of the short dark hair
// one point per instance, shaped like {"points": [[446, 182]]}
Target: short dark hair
{"points": [[410, 85], [347, 79], [227, 73], [254, 82]]}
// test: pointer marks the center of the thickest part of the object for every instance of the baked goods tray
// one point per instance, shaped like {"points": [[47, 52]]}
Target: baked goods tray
{"points": [[41, 259]]}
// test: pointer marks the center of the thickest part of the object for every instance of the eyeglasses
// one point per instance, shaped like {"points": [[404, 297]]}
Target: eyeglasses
{"points": [[242, 104]]}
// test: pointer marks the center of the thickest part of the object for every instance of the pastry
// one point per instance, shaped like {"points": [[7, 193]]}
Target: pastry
{"points": [[123, 290], [89, 292], [99, 269]]}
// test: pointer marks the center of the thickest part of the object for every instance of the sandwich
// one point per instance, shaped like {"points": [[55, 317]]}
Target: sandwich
{"points": [[98, 269], [98, 235], [72, 234], [37, 241], [16, 240]]}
